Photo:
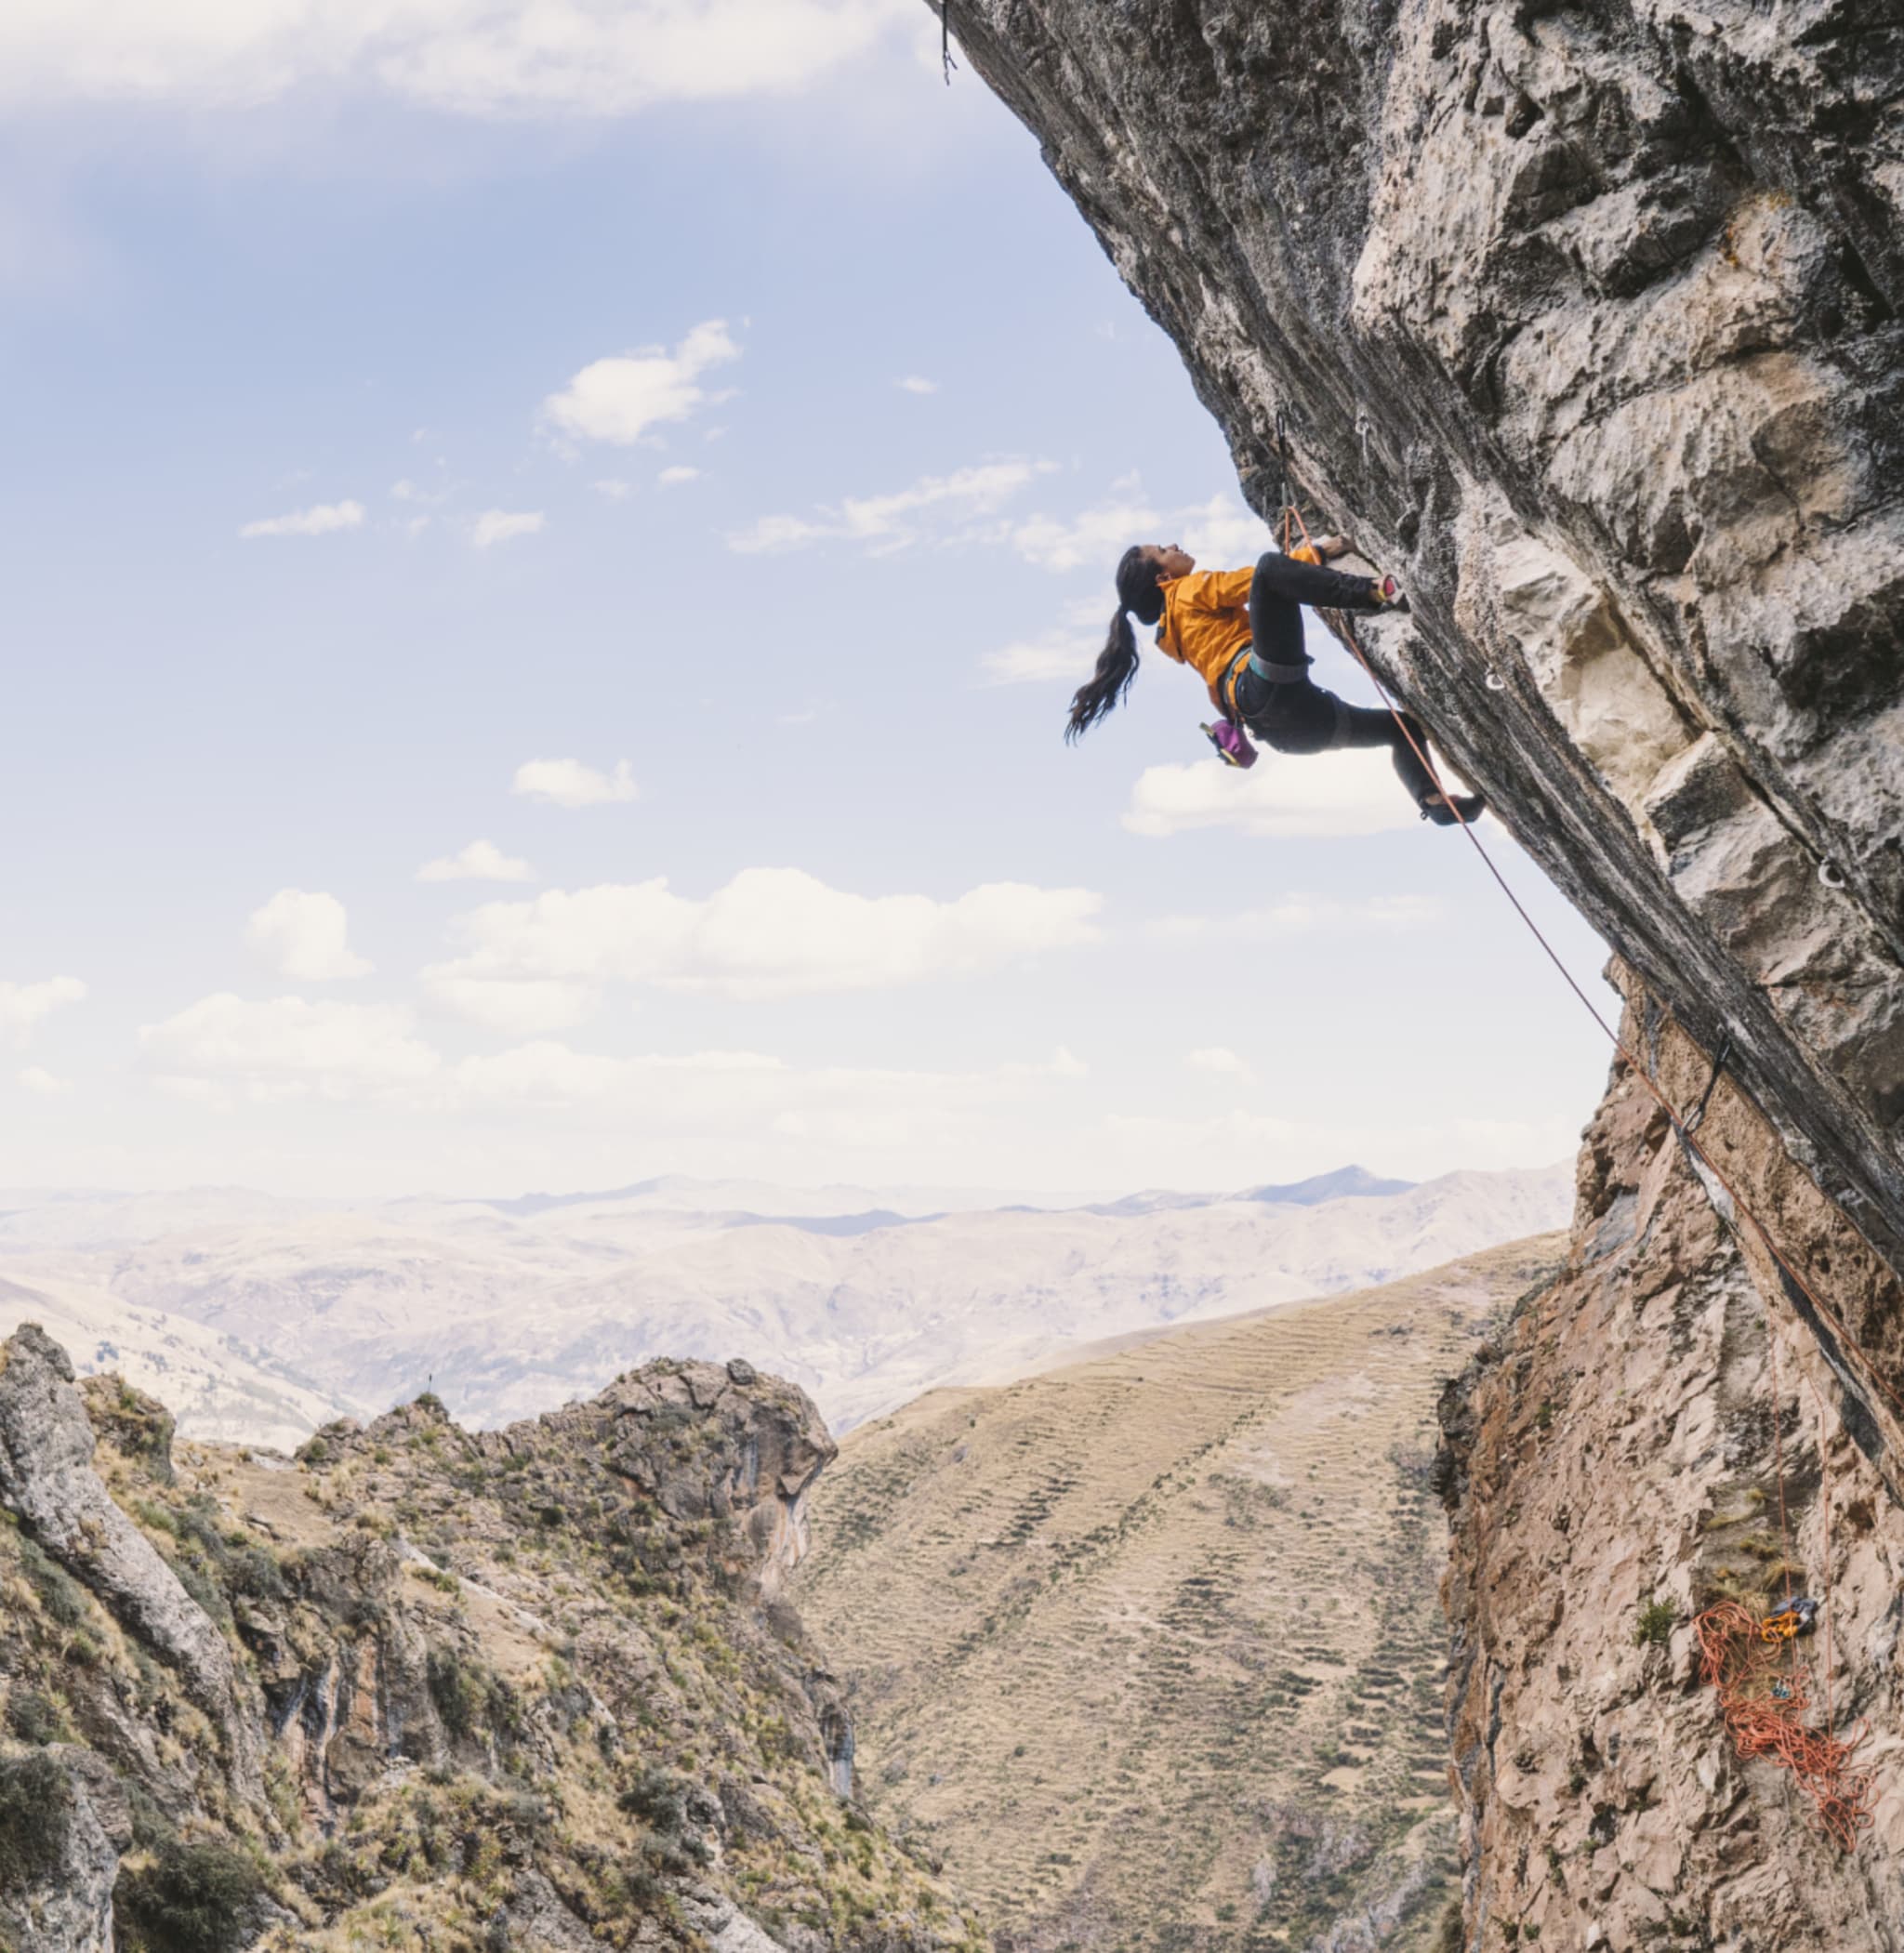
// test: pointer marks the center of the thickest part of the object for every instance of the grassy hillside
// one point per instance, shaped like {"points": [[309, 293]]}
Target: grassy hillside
{"points": [[1147, 1648]]}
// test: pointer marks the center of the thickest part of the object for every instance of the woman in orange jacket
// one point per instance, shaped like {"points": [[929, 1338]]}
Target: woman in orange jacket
{"points": [[1242, 631]]}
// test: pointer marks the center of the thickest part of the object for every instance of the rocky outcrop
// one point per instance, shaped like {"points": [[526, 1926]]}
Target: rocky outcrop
{"points": [[47, 1479], [1655, 1432], [758, 1445], [1584, 318], [535, 1687], [65, 1819]]}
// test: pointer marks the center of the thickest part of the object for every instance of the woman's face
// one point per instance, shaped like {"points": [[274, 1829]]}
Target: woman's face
{"points": [[1170, 561]]}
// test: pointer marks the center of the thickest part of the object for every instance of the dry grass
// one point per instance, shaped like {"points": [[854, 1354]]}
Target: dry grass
{"points": [[1148, 1648]]}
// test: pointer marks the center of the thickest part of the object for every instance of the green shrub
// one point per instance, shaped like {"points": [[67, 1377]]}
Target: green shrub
{"points": [[203, 1589], [34, 1814], [63, 1598], [665, 1840], [34, 1717], [656, 1798], [1657, 1621], [253, 1570], [469, 1697], [200, 1897]]}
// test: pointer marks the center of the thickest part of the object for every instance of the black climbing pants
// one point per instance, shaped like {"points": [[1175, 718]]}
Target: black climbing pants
{"points": [[1285, 707]]}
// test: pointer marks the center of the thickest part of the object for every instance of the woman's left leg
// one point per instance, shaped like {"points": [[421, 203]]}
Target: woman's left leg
{"points": [[1371, 725]]}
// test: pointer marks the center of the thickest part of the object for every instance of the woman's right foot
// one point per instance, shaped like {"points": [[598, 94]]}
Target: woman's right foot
{"points": [[1465, 811]]}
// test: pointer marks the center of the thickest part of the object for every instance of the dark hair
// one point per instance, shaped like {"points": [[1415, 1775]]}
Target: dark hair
{"points": [[1116, 663]]}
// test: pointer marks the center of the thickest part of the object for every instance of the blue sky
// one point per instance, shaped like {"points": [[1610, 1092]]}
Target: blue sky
{"points": [[690, 463]]}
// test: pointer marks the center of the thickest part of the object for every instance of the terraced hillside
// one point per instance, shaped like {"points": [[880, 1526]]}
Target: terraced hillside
{"points": [[1147, 1648]]}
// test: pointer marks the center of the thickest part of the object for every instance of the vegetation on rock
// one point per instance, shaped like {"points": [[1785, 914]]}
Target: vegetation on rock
{"points": [[534, 1686]]}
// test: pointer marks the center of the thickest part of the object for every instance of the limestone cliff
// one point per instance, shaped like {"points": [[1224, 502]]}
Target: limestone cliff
{"points": [[533, 1688], [1612, 1467], [1585, 319]]}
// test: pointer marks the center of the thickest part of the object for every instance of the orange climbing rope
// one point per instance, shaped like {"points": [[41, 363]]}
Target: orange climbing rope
{"points": [[1763, 1710], [1633, 1065]]}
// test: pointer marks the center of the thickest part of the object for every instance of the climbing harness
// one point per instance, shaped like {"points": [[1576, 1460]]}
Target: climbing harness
{"points": [[1738, 1649]]}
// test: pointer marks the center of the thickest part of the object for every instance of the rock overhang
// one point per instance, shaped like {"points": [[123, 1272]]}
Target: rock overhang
{"points": [[1586, 319]]}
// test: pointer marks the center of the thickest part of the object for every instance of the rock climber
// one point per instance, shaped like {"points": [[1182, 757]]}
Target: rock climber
{"points": [[1241, 631]]}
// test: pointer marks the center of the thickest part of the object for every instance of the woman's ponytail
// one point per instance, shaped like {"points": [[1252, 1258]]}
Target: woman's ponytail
{"points": [[1116, 663]]}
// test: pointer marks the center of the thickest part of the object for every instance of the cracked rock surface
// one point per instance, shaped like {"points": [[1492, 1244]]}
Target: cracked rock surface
{"points": [[1612, 1467], [1584, 319], [46, 1477]]}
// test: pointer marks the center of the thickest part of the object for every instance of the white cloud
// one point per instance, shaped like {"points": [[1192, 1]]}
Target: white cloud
{"points": [[1300, 915], [955, 505], [1068, 650], [323, 518], [745, 1095], [35, 1080], [673, 477], [567, 782], [518, 1006], [1038, 660], [498, 525], [1221, 533], [619, 399], [770, 932], [287, 1048], [24, 1005], [1341, 793], [497, 58], [1098, 536], [223, 1051], [1218, 1059], [967, 506], [303, 935], [614, 489], [481, 860], [912, 383]]}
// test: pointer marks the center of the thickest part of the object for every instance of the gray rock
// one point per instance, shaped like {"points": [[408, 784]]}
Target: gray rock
{"points": [[47, 1479], [723, 1925], [82, 1823], [1586, 321]]}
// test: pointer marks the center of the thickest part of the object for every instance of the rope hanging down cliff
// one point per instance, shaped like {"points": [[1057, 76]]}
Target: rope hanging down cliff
{"points": [[1739, 1651]]}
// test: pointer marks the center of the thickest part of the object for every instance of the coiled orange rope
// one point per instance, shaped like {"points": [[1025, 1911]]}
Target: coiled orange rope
{"points": [[1763, 1711]]}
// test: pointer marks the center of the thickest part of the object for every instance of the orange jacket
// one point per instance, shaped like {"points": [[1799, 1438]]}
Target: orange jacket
{"points": [[1206, 621]]}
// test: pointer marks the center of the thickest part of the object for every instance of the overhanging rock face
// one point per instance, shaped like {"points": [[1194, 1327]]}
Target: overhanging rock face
{"points": [[1586, 321]]}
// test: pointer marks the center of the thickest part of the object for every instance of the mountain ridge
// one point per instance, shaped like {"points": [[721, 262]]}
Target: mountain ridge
{"points": [[504, 1316]]}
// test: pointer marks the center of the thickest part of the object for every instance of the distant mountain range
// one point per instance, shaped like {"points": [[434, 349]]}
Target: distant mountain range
{"points": [[257, 1317]]}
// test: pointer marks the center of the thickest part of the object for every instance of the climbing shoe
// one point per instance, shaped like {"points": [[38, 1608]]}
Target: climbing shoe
{"points": [[1388, 594], [1466, 809], [1231, 742]]}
